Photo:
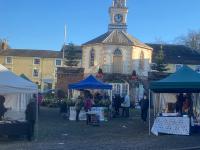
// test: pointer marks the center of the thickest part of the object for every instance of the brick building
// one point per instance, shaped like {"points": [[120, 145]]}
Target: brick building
{"points": [[67, 75]]}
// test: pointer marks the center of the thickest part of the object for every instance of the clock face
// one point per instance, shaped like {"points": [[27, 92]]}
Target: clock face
{"points": [[118, 18]]}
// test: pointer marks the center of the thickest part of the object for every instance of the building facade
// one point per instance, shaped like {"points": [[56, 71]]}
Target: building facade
{"points": [[40, 66], [116, 51]]}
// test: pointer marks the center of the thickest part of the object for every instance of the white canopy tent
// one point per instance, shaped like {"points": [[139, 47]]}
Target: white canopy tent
{"points": [[11, 83], [17, 92]]}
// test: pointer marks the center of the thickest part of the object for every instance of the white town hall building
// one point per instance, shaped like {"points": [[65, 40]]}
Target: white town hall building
{"points": [[116, 51]]}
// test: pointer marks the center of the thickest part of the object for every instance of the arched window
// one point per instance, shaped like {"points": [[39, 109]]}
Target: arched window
{"points": [[141, 63], [92, 56], [117, 52], [117, 61]]}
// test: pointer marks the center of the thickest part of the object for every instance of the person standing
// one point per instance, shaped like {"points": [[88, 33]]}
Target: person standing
{"points": [[179, 103], [88, 107], [78, 107], [126, 105], [117, 104], [144, 103], [2, 107], [31, 117]]}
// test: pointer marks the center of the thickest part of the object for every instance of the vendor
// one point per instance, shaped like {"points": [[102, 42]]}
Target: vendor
{"points": [[179, 103], [187, 106], [2, 107]]}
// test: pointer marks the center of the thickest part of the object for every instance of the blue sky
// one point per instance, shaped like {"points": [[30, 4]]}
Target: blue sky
{"points": [[39, 24]]}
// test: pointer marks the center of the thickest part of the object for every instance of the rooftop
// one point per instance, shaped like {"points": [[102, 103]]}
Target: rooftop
{"points": [[31, 53], [176, 54], [116, 37]]}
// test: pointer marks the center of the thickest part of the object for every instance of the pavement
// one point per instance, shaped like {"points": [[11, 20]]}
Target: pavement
{"points": [[57, 133]]}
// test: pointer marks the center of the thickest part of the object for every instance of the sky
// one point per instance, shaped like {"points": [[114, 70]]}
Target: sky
{"points": [[39, 24]]}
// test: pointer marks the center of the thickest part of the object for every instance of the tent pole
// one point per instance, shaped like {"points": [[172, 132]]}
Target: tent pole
{"points": [[37, 118], [154, 107], [149, 112], [160, 103], [111, 101]]}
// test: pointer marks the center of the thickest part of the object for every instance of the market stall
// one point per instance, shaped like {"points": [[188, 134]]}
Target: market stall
{"points": [[17, 92], [165, 100], [91, 83]]}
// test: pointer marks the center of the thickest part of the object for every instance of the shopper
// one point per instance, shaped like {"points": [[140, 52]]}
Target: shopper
{"points": [[126, 105], [2, 107], [117, 104], [78, 107], [31, 116], [87, 107], [144, 103]]}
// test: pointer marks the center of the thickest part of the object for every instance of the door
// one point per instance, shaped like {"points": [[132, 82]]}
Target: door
{"points": [[117, 64]]}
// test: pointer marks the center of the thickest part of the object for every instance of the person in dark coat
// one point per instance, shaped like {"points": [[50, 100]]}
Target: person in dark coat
{"points": [[144, 103], [2, 107], [179, 103], [117, 104], [31, 116]]}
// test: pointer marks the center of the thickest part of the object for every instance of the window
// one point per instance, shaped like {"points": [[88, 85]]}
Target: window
{"points": [[92, 56], [178, 66], [58, 62], [141, 63], [197, 69], [35, 72], [36, 61], [9, 60], [117, 52]]}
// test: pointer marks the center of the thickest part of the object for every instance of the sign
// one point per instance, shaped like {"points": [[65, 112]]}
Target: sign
{"points": [[171, 125]]}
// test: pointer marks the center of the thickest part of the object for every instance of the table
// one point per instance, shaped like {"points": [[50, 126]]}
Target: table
{"points": [[82, 116], [171, 125], [15, 128]]}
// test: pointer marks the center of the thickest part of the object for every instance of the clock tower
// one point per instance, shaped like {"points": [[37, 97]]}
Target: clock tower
{"points": [[118, 15]]}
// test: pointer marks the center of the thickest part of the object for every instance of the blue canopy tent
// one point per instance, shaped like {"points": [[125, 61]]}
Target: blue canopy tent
{"points": [[90, 83]]}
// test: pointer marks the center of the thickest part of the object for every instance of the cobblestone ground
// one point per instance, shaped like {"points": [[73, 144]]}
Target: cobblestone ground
{"points": [[56, 133]]}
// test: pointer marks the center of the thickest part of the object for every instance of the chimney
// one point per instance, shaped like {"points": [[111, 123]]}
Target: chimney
{"points": [[4, 45]]}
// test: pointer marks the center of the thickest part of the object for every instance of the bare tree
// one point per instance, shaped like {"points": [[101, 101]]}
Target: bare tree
{"points": [[191, 39], [159, 40]]}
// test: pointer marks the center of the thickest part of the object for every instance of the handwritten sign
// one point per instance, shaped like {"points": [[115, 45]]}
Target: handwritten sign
{"points": [[171, 125]]}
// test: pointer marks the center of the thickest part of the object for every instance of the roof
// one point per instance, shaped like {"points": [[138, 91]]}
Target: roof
{"points": [[117, 37], [90, 83], [176, 54], [183, 81], [31, 53]]}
